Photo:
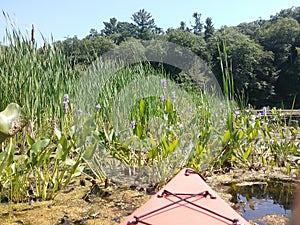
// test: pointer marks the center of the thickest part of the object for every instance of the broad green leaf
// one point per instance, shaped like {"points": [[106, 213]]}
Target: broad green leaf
{"points": [[59, 151], [2, 155], [142, 108], [57, 133], [29, 140], [70, 162], [40, 145], [173, 145], [139, 130], [152, 154], [169, 106], [263, 159], [288, 168], [152, 141], [165, 144], [226, 137], [90, 151], [248, 152]]}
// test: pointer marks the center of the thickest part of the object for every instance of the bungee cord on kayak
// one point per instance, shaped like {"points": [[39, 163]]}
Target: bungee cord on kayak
{"points": [[190, 200]]}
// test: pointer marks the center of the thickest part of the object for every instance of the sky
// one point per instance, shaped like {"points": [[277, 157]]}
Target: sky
{"points": [[66, 18]]}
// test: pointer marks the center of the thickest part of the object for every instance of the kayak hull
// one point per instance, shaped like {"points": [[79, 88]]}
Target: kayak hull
{"points": [[186, 199]]}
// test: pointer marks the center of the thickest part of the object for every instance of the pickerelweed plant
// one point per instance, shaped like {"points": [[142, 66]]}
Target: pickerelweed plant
{"points": [[251, 139], [41, 160], [147, 121], [46, 166]]}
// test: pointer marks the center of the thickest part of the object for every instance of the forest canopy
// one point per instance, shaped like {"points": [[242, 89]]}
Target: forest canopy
{"points": [[264, 54]]}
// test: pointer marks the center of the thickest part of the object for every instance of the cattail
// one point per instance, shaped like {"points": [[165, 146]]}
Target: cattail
{"points": [[45, 46], [32, 34]]}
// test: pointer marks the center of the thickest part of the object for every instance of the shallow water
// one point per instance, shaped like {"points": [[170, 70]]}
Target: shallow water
{"points": [[258, 199]]}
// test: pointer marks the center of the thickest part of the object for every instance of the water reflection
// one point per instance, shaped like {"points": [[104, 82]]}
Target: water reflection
{"points": [[258, 199]]}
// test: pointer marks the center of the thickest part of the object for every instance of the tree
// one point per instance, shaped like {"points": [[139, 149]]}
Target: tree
{"points": [[280, 36], [252, 67], [126, 31], [186, 39], [252, 29], [293, 12], [145, 24], [197, 28], [288, 84], [110, 27], [209, 28], [182, 25]]}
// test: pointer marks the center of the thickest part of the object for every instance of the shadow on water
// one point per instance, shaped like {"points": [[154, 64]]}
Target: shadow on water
{"points": [[258, 199]]}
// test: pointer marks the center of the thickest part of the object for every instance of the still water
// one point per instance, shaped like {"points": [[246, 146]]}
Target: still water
{"points": [[258, 199]]}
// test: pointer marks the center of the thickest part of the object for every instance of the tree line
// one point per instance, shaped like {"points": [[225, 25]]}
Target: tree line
{"points": [[264, 55]]}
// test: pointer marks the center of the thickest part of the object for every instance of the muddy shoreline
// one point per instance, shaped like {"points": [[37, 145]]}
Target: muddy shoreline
{"points": [[86, 202]]}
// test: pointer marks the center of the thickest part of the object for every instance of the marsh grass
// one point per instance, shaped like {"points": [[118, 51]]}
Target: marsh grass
{"points": [[186, 128], [35, 78]]}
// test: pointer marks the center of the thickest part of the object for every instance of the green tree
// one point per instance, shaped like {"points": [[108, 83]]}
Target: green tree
{"points": [[288, 84], [186, 39], [182, 26], [198, 26], [280, 36], [252, 67], [145, 25], [209, 28]]}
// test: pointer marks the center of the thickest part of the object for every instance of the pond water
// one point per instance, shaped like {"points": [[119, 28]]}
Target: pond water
{"points": [[258, 199]]}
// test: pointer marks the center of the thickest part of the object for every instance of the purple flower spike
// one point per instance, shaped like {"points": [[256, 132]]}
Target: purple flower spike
{"points": [[132, 124], [173, 96], [163, 83], [162, 98], [264, 111], [66, 98], [79, 112], [98, 107], [65, 106]]}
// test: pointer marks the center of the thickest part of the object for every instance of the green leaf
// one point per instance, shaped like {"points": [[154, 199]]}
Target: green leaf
{"points": [[63, 141], [142, 108], [173, 145], [139, 130], [59, 151], [70, 162], [90, 151], [263, 159], [169, 106], [226, 137], [165, 144], [29, 140], [152, 154], [288, 168], [57, 133], [247, 153], [2, 155], [40, 145]]}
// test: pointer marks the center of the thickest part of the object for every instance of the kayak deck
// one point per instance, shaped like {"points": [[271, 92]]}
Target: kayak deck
{"points": [[186, 199]]}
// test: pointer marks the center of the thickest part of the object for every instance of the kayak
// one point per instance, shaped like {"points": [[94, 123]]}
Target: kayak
{"points": [[185, 200]]}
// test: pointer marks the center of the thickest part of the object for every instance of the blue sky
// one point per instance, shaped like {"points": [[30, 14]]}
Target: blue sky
{"points": [[66, 18]]}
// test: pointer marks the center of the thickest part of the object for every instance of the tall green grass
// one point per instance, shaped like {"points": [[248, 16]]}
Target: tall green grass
{"points": [[35, 78]]}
